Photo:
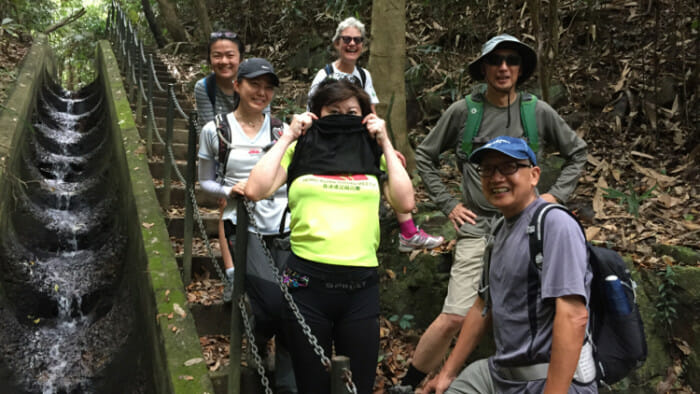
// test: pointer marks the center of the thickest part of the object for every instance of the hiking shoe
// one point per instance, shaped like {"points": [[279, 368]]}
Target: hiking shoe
{"points": [[420, 240], [228, 286], [405, 389]]}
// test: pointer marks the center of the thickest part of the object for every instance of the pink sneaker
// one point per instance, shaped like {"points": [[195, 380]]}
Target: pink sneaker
{"points": [[420, 240]]}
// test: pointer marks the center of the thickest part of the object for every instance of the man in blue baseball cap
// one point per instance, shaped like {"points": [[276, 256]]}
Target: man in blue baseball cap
{"points": [[549, 354], [494, 108]]}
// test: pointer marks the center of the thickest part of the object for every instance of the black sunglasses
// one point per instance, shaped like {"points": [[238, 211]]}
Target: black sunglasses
{"points": [[222, 34], [348, 39], [494, 59]]}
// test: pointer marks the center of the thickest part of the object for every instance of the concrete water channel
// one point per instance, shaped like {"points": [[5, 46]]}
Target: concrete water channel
{"points": [[91, 297]]}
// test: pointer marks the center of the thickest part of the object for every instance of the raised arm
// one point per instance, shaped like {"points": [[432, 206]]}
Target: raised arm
{"points": [[268, 174], [399, 188]]}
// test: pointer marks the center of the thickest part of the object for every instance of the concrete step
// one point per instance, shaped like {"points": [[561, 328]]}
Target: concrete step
{"points": [[177, 197], [212, 319], [179, 135], [179, 150], [176, 226], [250, 381], [157, 168]]}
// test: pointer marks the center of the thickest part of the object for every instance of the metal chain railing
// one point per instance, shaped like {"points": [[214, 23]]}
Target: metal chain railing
{"points": [[133, 58]]}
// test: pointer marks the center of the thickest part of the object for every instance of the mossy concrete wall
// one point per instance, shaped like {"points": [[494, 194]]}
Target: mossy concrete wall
{"points": [[14, 117], [175, 352]]}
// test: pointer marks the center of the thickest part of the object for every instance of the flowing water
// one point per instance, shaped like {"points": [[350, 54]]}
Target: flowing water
{"points": [[67, 316]]}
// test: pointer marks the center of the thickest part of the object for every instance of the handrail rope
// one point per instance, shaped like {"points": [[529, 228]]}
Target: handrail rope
{"points": [[325, 361], [173, 163], [177, 105], [155, 78], [253, 346], [143, 91]]}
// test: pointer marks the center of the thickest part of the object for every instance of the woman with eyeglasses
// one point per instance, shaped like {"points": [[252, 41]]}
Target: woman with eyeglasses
{"points": [[335, 160], [248, 131]]}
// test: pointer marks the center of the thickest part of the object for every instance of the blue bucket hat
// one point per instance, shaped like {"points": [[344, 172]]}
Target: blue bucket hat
{"points": [[516, 148], [506, 41]]}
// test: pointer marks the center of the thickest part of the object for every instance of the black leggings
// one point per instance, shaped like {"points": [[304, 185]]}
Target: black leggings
{"points": [[346, 320]]}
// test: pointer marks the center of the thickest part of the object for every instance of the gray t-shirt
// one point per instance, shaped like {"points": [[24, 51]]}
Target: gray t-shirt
{"points": [[565, 271], [205, 111], [447, 135]]}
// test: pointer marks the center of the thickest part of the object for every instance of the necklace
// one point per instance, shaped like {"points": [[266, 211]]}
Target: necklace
{"points": [[252, 123]]}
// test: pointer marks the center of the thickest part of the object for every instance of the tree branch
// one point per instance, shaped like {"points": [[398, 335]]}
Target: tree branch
{"points": [[70, 19]]}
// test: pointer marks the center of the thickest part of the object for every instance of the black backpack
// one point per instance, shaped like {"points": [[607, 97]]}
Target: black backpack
{"points": [[223, 130], [363, 77], [619, 344]]}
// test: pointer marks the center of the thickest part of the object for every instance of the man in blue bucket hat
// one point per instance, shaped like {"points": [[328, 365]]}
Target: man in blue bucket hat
{"points": [[496, 109]]}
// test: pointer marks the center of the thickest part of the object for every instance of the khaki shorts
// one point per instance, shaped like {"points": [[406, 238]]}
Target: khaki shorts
{"points": [[465, 276]]}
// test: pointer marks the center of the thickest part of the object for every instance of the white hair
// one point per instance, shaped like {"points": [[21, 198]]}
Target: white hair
{"points": [[349, 22]]}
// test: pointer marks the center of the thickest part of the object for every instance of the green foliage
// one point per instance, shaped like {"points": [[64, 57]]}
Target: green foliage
{"points": [[631, 199], [667, 300], [404, 321], [288, 108], [688, 217], [9, 27]]}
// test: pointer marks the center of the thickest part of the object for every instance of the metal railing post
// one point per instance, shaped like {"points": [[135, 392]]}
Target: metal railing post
{"points": [[240, 257], [339, 364], [189, 204], [139, 92], [167, 148], [151, 116]]}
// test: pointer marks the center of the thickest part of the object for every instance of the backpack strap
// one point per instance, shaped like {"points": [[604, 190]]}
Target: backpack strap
{"points": [[528, 103], [328, 69], [210, 86], [475, 110], [363, 76], [535, 235], [223, 130]]}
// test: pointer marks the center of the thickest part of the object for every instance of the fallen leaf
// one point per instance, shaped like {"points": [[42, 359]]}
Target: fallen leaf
{"points": [[193, 361], [185, 377], [178, 309], [147, 225], [390, 273]]}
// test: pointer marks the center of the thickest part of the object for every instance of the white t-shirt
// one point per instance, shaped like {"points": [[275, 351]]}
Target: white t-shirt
{"points": [[245, 153], [337, 74]]}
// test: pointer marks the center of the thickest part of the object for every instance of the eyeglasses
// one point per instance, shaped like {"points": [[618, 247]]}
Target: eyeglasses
{"points": [[222, 34], [348, 39], [508, 168], [494, 59]]}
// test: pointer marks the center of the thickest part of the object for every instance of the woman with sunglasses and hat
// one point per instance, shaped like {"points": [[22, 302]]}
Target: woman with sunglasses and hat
{"points": [[250, 132], [331, 159], [214, 94]]}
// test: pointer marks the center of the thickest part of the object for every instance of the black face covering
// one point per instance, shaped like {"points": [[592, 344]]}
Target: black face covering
{"points": [[335, 144]]}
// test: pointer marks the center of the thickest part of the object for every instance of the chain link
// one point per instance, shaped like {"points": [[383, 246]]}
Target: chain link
{"points": [[347, 378], [253, 346], [325, 361]]}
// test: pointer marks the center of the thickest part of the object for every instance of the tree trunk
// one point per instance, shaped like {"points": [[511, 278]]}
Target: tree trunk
{"points": [[535, 9], [203, 16], [152, 24], [172, 22], [387, 62]]}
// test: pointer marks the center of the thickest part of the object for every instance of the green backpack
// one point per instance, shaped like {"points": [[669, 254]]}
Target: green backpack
{"points": [[475, 108]]}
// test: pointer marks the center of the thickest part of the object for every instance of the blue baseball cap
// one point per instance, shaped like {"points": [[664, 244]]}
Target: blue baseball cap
{"points": [[516, 148]]}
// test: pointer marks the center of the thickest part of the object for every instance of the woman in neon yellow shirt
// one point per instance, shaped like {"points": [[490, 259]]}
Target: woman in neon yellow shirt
{"points": [[334, 194]]}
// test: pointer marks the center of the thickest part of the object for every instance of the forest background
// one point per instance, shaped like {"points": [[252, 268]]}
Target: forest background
{"points": [[623, 73]]}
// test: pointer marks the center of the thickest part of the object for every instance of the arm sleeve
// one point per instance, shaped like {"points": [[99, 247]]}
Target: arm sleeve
{"points": [[571, 147], [443, 137], [205, 111]]}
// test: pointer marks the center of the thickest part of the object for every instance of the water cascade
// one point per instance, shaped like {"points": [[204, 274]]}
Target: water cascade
{"points": [[67, 316]]}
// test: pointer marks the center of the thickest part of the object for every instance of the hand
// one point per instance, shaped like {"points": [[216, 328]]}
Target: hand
{"points": [[438, 384], [461, 214], [239, 188], [377, 129], [300, 123], [549, 198]]}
